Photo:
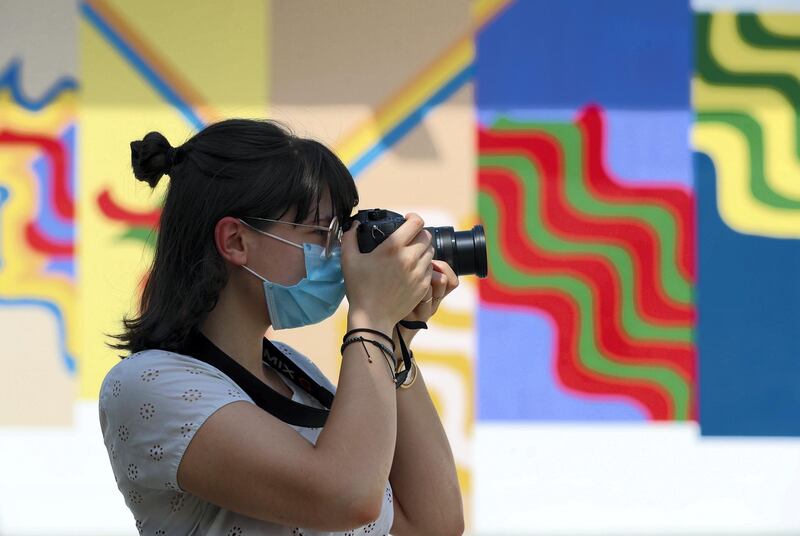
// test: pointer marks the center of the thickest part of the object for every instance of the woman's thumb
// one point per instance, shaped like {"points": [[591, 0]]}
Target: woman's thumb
{"points": [[349, 240]]}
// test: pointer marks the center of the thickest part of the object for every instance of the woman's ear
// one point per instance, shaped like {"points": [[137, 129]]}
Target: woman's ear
{"points": [[231, 240]]}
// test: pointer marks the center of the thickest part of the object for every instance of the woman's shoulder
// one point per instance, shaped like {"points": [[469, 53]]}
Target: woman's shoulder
{"points": [[151, 366], [146, 360], [156, 366], [164, 384], [150, 406]]}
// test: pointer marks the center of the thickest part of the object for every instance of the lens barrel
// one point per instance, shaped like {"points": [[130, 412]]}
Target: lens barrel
{"points": [[464, 251]]}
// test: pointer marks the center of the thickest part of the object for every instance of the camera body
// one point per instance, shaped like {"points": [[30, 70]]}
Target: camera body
{"points": [[376, 224], [464, 251]]}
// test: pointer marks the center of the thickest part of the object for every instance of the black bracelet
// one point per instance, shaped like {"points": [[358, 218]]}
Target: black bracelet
{"points": [[383, 348], [408, 355], [375, 331], [376, 343]]}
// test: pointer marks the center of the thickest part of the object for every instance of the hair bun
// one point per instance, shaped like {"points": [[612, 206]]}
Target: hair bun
{"points": [[152, 157]]}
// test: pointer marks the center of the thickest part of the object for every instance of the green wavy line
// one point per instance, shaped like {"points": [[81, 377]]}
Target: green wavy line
{"points": [[635, 326], [756, 34], [657, 218], [589, 355], [714, 73], [751, 130], [148, 235]]}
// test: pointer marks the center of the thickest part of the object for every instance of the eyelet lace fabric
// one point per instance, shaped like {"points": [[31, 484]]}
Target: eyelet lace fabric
{"points": [[151, 405]]}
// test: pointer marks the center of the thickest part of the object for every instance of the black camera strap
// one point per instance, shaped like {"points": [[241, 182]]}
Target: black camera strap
{"points": [[200, 347], [400, 377]]}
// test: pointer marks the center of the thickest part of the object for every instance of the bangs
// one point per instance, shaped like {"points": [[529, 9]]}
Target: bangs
{"points": [[322, 170]]}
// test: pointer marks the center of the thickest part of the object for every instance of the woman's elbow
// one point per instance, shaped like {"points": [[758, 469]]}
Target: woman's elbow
{"points": [[459, 527]]}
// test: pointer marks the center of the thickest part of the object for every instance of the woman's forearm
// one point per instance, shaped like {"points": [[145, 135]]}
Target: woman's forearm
{"points": [[423, 474], [359, 436]]}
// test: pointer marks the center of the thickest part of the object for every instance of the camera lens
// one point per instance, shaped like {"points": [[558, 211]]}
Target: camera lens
{"points": [[464, 251]]}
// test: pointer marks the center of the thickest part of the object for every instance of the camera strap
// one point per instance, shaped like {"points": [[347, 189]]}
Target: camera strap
{"points": [[200, 347], [400, 377]]}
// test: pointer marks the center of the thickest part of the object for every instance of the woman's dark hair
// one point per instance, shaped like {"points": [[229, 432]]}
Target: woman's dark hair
{"points": [[235, 167]]}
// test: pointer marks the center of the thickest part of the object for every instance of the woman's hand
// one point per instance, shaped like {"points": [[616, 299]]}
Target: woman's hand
{"points": [[443, 281], [388, 282]]}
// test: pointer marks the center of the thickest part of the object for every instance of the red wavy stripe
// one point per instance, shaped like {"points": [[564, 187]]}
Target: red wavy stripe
{"points": [[40, 242], [55, 152], [651, 397], [678, 202], [543, 150], [598, 274], [114, 211]]}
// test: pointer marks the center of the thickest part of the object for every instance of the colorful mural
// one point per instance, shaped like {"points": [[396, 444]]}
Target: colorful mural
{"points": [[37, 245], [611, 264], [634, 164], [602, 262], [746, 132], [137, 73]]}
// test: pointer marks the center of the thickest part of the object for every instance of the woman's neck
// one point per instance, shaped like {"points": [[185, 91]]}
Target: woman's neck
{"points": [[237, 332]]}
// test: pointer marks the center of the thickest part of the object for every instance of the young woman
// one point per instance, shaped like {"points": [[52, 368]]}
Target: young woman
{"points": [[245, 243]]}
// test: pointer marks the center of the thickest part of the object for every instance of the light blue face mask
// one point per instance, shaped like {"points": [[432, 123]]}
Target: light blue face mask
{"points": [[312, 299]]}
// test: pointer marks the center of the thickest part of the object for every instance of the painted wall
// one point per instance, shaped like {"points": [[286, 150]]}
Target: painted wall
{"points": [[629, 365]]}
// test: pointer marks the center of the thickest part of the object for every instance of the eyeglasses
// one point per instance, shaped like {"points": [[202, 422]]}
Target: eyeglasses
{"points": [[334, 230]]}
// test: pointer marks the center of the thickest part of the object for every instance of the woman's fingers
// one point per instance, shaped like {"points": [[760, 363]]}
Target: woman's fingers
{"points": [[451, 279], [407, 233], [423, 245], [439, 284]]}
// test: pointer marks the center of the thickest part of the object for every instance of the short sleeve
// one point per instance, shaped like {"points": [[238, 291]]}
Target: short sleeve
{"points": [[151, 405]]}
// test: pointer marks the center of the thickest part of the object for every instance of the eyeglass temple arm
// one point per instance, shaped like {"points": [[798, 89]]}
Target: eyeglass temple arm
{"points": [[320, 227], [276, 237]]}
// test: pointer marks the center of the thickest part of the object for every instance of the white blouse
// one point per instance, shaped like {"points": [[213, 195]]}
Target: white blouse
{"points": [[151, 404]]}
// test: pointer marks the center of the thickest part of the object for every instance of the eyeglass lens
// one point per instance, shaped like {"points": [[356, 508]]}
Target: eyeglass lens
{"points": [[334, 237]]}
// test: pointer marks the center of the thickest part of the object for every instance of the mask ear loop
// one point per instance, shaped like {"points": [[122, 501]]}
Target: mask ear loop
{"points": [[255, 274]]}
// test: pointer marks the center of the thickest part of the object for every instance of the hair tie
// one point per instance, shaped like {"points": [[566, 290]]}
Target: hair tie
{"points": [[172, 158]]}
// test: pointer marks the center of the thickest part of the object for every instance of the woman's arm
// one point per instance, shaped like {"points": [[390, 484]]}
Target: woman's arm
{"points": [[248, 461], [423, 475]]}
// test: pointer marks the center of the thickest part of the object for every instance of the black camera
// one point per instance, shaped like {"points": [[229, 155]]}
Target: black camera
{"points": [[464, 251]]}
